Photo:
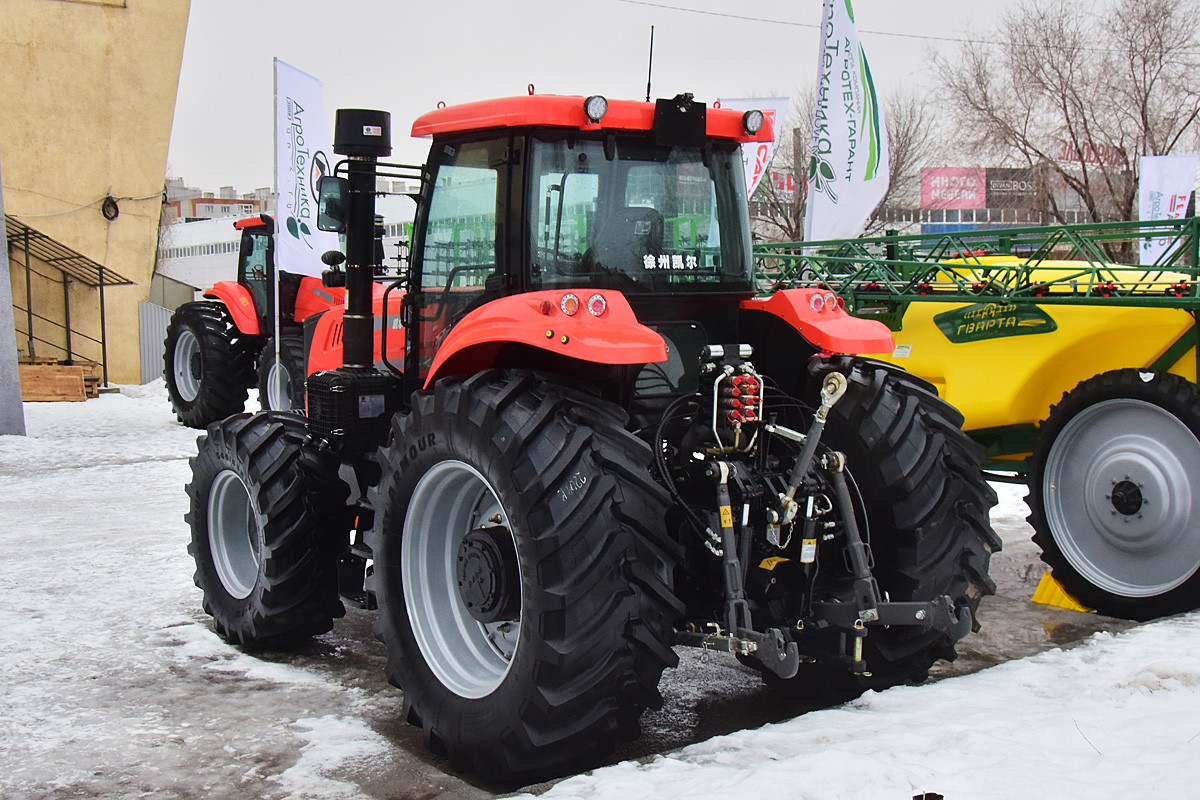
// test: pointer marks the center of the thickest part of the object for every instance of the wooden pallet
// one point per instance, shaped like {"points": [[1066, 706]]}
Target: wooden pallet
{"points": [[92, 373], [42, 383]]}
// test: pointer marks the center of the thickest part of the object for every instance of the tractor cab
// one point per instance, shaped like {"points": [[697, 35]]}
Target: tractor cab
{"points": [[606, 216], [256, 263], [300, 296]]}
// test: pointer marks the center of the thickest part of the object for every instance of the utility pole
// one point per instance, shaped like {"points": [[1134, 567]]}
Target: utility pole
{"points": [[12, 414]]}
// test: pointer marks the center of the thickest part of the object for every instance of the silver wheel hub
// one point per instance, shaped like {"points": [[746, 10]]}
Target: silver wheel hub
{"points": [[187, 365], [451, 503], [233, 534], [1119, 497], [279, 387]]}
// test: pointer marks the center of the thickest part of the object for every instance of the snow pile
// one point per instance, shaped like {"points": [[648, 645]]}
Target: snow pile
{"points": [[330, 741], [1116, 718], [113, 683]]}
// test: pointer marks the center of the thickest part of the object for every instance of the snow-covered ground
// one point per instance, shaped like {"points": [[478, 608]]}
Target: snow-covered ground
{"points": [[113, 685]]}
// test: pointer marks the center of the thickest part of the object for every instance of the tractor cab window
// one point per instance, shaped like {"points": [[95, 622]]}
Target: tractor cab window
{"points": [[636, 217], [254, 267], [459, 261]]}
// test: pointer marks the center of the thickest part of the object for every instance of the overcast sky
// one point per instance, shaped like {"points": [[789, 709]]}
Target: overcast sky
{"points": [[405, 57]]}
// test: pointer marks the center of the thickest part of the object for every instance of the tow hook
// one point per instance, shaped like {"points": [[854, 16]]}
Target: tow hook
{"points": [[776, 654]]}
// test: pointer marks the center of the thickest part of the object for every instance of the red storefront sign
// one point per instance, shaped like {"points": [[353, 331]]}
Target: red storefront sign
{"points": [[954, 187]]}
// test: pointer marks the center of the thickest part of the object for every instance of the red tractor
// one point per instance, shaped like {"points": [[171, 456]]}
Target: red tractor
{"points": [[217, 349], [572, 437]]}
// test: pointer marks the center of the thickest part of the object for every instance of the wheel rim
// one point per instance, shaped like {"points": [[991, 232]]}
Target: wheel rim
{"points": [[1118, 497], [233, 534], [279, 387], [469, 657], [187, 365]]}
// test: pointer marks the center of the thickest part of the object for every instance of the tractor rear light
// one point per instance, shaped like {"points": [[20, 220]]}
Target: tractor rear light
{"points": [[752, 121], [595, 107], [569, 304], [822, 302], [596, 305], [546, 307]]}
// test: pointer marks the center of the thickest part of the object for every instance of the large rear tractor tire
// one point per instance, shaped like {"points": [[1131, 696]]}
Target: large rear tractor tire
{"points": [[925, 505], [207, 363], [523, 574], [268, 523], [1114, 496], [281, 386]]}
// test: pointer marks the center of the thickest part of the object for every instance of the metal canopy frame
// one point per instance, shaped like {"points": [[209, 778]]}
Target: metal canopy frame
{"points": [[60, 256], [32, 242]]}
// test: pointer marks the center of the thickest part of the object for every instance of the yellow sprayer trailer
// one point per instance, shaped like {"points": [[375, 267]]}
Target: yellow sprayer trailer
{"points": [[1074, 367]]}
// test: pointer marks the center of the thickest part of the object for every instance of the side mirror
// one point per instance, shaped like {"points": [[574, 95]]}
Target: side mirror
{"points": [[332, 194]]}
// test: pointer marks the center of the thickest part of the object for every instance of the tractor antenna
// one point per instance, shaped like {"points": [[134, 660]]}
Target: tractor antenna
{"points": [[650, 70]]}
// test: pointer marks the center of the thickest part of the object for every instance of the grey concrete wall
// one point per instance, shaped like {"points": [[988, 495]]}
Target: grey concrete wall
{"points": [[12, 414]]}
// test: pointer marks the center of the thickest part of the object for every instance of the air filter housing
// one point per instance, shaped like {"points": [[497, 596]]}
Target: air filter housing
{"points": [[362, 132]]}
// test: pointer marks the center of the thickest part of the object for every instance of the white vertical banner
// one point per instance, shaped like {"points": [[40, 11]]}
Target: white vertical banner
{"points": [[303, 152], [848, 165], [756, 156], [1164, 187]]}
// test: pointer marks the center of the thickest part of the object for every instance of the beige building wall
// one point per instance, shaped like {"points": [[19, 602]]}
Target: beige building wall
{"points": [[87, 96], [50, 299]]}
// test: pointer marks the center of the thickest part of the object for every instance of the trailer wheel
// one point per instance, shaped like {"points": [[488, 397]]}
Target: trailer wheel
{"points": [[926, 507], [1113, 494], [267, 522], [523, 574], [281, 387], [208, 364]]}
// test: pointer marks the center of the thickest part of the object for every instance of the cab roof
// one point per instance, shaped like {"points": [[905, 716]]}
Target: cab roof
{"points": [[566, 111], [252, 222]]}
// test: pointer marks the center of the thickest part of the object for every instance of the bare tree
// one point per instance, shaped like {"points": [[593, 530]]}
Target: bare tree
{"points": [[1080, 94], [913, 137], [776, 213]]}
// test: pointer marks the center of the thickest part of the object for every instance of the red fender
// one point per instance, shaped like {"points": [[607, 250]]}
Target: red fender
{"points": [[536, 319], [831, 329], [241, 306], [326, 349], [314, 297]]}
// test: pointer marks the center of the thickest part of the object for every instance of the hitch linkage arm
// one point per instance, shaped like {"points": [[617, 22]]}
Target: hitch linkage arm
{"points": [[772, 648], [831, 391]]}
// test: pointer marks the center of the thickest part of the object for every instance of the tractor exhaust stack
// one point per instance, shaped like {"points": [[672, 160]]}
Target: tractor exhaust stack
{"points": [[363, 136]]}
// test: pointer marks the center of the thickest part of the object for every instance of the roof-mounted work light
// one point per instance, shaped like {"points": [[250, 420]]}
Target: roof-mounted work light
{"points": [[595, 107]]}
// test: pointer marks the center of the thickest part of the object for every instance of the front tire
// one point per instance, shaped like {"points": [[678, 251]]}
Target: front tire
{"points": [[267, 520], [522, 572], [281, 387], [208, 364], [1113, 496]]}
